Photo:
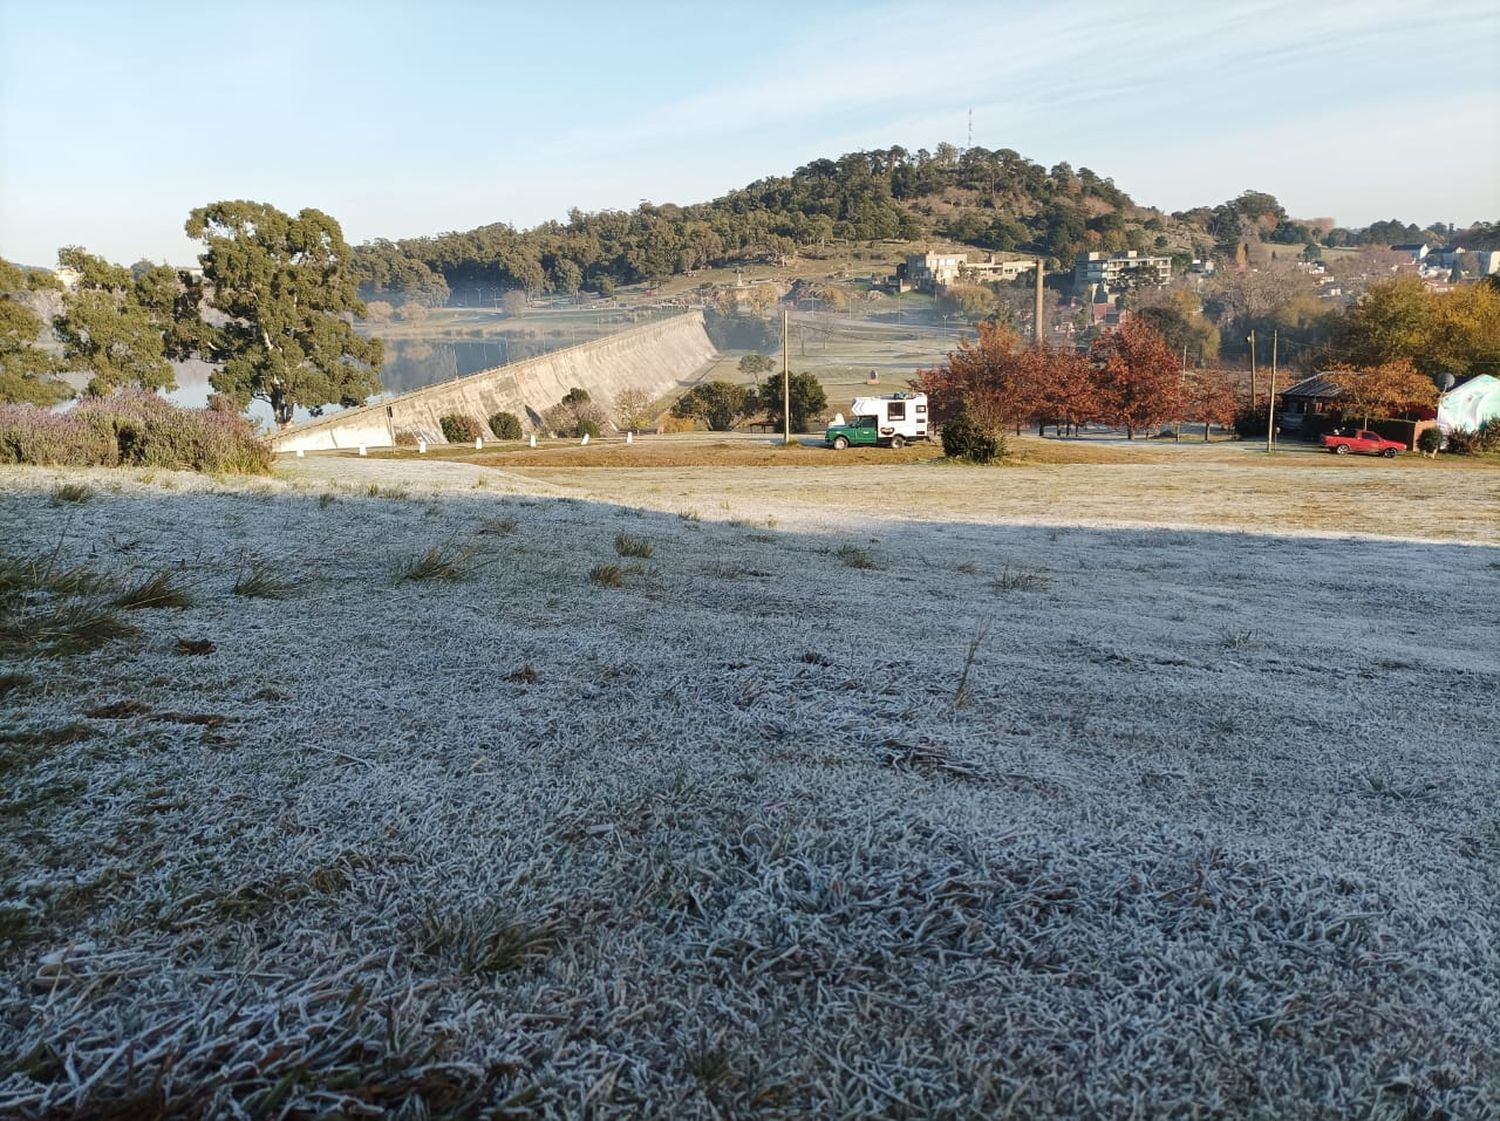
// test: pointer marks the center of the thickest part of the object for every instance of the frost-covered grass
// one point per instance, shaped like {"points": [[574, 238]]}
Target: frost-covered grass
{"points": [[1029, 820]]}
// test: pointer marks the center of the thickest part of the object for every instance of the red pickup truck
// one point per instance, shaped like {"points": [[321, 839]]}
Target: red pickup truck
{"points": [[1364, 441]]}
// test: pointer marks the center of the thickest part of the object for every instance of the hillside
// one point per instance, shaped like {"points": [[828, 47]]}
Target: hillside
{"points": [[992, 200]]}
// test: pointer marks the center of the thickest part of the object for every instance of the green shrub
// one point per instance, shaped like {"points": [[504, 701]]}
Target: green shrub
{"points": [[1430, 440], [459, 429], [506, 426], [1475, 441], [965, 438], [1250, 421], [587, 426]]}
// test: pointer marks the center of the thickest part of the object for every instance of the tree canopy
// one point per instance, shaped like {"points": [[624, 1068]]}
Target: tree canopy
{"points": [[27, 372], [120, 324], [287, 292], [1455, 332]]}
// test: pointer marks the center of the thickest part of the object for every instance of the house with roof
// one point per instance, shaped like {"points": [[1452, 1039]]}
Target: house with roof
{"points": [[1416, 250], [1311, 407]]}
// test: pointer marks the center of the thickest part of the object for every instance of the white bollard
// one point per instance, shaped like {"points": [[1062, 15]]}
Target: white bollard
{"points": [[585, 439], [478, 442], [421, 447], [301, 454], [362, 449], [533, 439], [629, 438]]}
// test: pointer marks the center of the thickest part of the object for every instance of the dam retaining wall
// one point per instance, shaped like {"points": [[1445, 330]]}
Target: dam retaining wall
{"points": [[658, 357]]}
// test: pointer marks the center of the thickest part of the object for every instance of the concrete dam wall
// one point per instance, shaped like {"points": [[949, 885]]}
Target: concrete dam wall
{"points": [[657, 357]]}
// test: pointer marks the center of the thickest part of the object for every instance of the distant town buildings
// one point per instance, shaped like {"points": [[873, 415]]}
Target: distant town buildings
{"points": [[930, 272], [1116, 271], [927, 272]]}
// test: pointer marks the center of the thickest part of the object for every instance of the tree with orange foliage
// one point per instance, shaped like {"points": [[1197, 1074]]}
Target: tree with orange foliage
{"points": [[1065, 389], [1137, 378], [1209, 399], [1383, 390], [992, 378]]}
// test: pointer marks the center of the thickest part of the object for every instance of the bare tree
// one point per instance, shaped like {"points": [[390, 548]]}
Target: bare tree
{"points": [[633, 409]]}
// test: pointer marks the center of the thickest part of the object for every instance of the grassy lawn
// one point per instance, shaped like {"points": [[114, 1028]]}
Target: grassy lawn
{"points": [[462, 785]]}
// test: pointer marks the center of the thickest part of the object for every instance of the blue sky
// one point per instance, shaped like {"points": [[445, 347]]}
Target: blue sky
{"points": [[402, 119]]}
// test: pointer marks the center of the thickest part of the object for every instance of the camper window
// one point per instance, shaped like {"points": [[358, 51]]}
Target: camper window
{"points": [[921, 408], [896, 411]]}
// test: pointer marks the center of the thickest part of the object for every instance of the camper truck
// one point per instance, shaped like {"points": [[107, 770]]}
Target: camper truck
{"points": [[888, 421]]}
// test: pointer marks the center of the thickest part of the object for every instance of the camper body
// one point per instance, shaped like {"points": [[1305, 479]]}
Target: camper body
{"points": [[889, 421]]}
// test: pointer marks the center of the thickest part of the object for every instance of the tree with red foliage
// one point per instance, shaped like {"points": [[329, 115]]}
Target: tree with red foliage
{"points": [[1210, 399], [1384, 390], [992, 378], [1137, 377], [1065, 392]]}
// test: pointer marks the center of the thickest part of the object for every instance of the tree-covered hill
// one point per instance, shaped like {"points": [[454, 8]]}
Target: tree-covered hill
{"points": [[992, 200]]}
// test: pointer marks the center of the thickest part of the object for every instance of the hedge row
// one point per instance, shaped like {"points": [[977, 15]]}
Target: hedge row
{"points": [[132, 428]]}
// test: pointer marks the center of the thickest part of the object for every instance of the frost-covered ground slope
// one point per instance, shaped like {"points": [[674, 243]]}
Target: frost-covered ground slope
{"points": [[1210, 828]]}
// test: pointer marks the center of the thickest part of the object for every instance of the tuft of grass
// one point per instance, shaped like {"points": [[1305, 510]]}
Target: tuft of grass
{"points": [[375, 490], [194, 646], [628, 546], [526, 675], [690, 515], [855, 557], [499, 525], [61, 629], [259, 581], [71, 492], [10, 682], [964, 693], [487, 941], [325, 500], [1019, 580], [449, 562], [153, 593], [1237, 638], [711, 1063], [607, 575], [60, 736], [117, 710], [22, 577]]}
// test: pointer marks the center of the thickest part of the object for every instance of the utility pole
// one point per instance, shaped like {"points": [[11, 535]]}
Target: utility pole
{"points": [[1182, 396], [1036, 327], [1251, 338], [1271, 398], [786, 378]]}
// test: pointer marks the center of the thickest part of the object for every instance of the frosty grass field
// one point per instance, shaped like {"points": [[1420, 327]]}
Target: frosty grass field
{"points": [[671, 794]]}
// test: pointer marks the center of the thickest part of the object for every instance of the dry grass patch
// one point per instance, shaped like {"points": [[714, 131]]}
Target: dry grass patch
{"points": [[260, 581], [854, 556], [628, 546], [607, 575], [158, 591], [71, 492], [449, 562]]}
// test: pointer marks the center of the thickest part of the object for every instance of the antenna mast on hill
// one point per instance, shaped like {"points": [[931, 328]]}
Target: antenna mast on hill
{"points": [[971, 128]]}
